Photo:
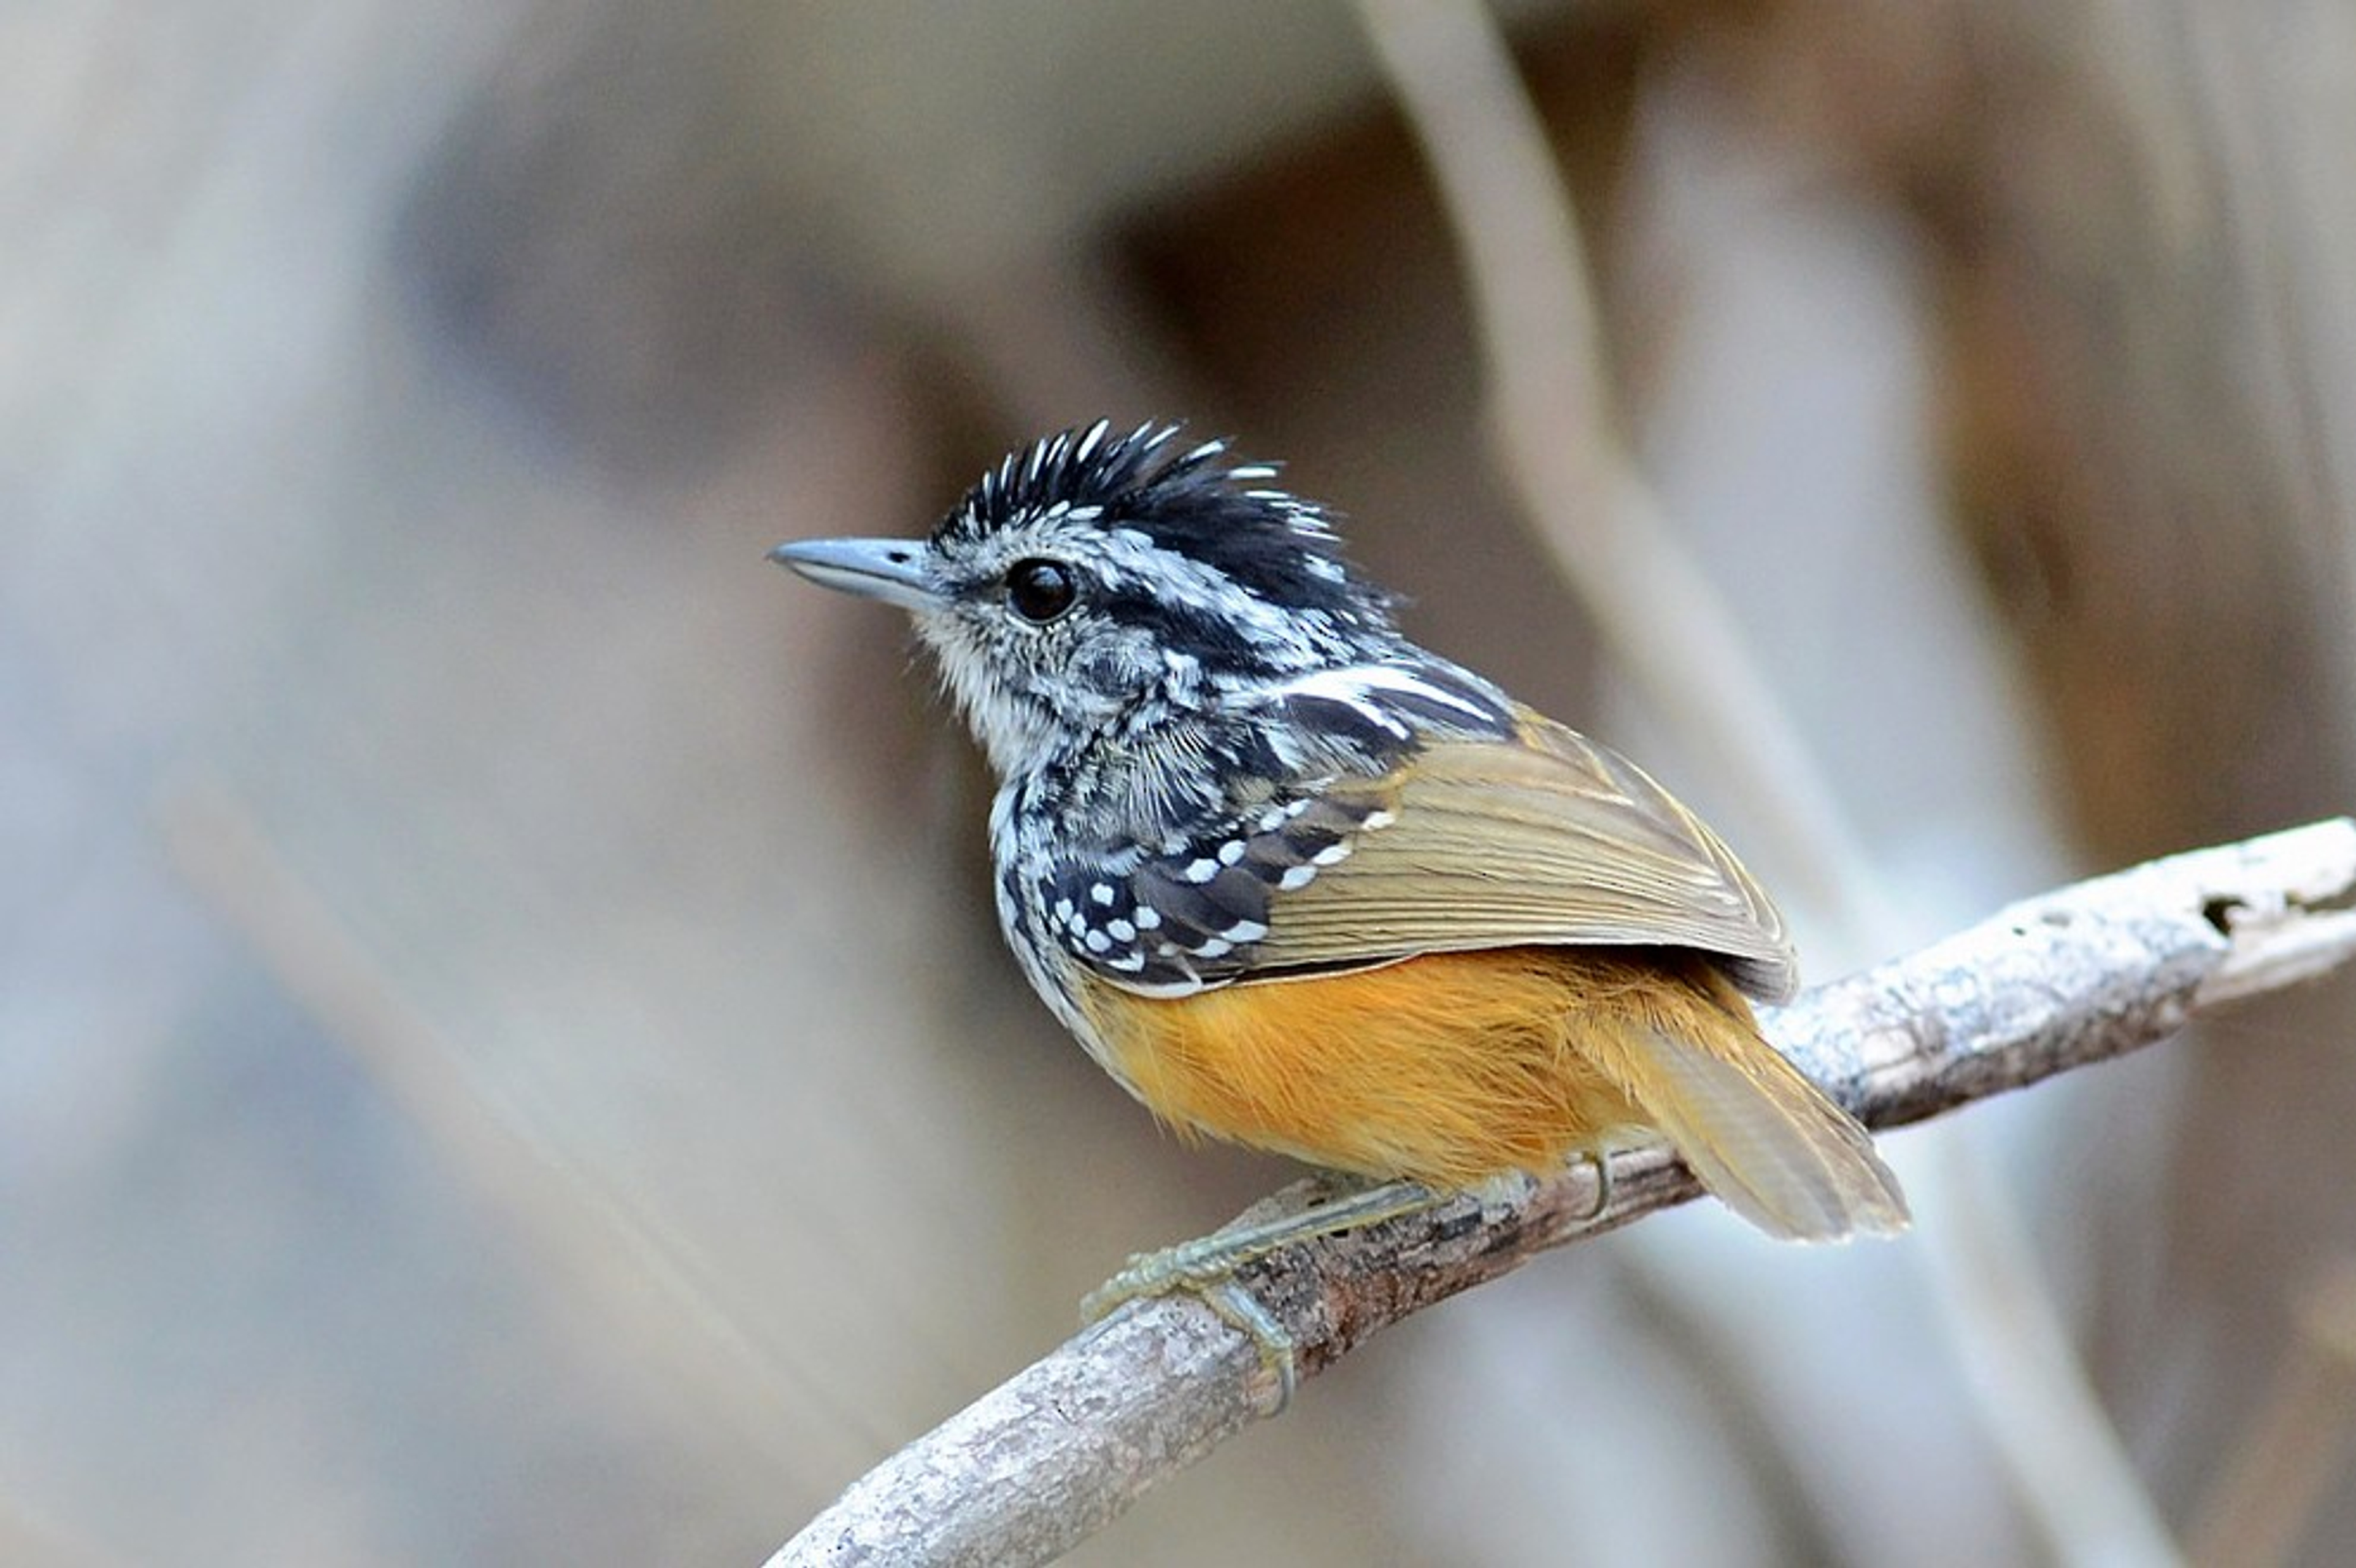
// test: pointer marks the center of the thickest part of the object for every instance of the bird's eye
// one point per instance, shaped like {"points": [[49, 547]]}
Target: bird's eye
{"points": [[1040, 589]]}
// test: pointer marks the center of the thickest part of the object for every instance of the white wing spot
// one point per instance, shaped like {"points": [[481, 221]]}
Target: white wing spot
{"points": [[1202, 870], [1214, 947], [1098, 942], [1245, 931], [1231, 851], [1296, 879], [1331, 855], [1122, 931], [1102, 893], [1148, 918], [1184, 986]]}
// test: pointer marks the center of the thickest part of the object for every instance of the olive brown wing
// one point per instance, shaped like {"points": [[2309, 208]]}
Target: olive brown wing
{"points": [[1549, 839]]}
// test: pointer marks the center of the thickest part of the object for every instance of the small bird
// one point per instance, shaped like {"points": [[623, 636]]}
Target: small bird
{"points": [[1297, 882]]}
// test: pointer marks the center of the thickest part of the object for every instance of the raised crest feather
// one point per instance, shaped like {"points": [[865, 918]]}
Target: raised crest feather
{"points": [[1222, 513]]}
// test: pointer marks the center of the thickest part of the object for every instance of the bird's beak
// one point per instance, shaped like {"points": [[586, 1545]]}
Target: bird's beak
{"points": [[889, 570]]}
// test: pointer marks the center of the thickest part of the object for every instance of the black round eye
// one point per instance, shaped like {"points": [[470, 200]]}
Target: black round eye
{"points": [[1040, 589]]}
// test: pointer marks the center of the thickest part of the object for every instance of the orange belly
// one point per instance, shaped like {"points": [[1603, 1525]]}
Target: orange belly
{"points": [[1445, 1069]]}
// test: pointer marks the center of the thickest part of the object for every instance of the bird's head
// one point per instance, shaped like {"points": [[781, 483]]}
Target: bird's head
{"points": [[1092, 584]]}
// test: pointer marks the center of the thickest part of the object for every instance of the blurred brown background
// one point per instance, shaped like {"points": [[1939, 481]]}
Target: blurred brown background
{"points": [[503, 1050]]}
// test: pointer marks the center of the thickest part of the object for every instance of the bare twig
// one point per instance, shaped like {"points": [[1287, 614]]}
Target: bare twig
{"points": [[2072, 977]]}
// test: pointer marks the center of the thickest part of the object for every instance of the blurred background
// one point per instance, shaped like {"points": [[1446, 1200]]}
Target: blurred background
{"points": [[504, 1049]]}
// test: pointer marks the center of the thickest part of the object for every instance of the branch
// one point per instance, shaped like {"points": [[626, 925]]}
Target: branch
{"points": [[2074, 977]]}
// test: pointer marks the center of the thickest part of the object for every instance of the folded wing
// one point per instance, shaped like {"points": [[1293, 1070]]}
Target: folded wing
{"points": [[1549, 840]]}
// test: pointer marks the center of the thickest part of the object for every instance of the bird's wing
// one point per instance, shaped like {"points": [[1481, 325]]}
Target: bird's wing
{"points": [[1549, 837]]}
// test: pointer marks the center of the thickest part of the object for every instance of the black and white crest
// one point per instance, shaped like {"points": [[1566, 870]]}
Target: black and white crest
{"points": [[1195, 502]]}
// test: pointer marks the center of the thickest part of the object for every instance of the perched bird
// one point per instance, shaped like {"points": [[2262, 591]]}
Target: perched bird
{"points": [[1297, 882]]}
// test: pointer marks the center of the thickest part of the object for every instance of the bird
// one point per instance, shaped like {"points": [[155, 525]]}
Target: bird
{"points": [[1300, 884]]}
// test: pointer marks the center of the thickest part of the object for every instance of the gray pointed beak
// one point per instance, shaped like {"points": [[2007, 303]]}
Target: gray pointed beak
{"points": [[890, 570]]}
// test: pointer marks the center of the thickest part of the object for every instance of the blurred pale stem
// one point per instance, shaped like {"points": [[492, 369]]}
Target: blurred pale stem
{"points": [[2267, 1496], [1600, 523], [1526, 270]]}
